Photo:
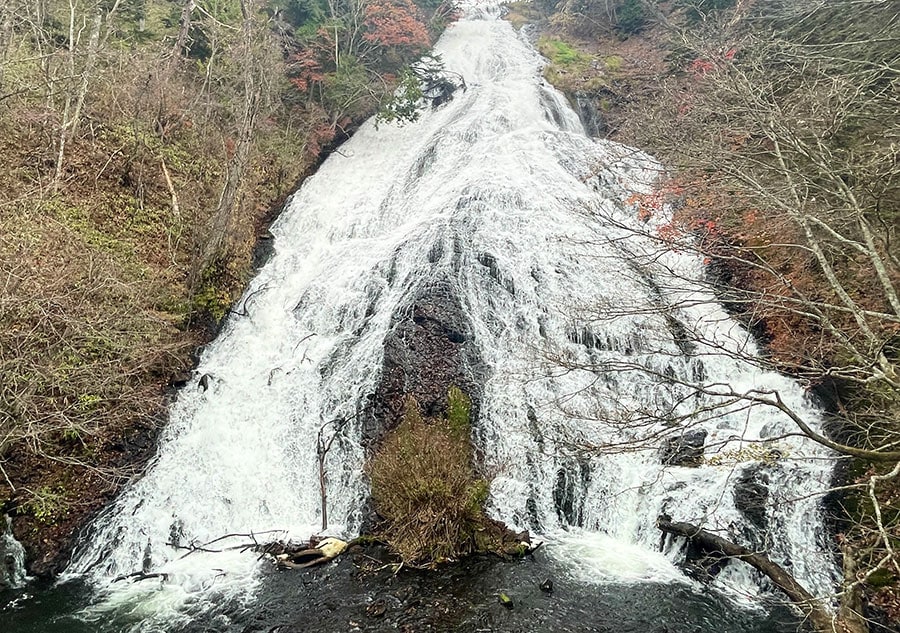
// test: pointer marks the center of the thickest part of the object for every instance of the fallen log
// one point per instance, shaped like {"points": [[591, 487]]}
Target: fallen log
{"points": [[811, 607], [327, 550]]}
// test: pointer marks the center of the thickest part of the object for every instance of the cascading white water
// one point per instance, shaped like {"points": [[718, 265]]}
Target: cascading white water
{"points": [[12, 557], [501, 174]]}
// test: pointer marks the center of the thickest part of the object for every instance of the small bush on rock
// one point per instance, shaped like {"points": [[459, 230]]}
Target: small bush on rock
{"points": [[425, 488]]}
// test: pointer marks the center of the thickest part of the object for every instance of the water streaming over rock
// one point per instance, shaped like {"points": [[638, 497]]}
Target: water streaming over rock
{"points": [[12, 557], [500, 195]]}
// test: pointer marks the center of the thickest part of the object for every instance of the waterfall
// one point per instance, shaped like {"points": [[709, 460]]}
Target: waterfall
{"points": [[500, 195], [12, 557]]}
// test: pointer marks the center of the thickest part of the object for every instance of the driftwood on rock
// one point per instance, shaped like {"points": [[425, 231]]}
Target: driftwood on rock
{"points": [[140, 575], [327, 550], [301, 561], [812, 608]]}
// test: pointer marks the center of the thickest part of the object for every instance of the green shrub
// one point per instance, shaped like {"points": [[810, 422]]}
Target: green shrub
{"points": [[211, 301], [48, 505], [458, 409], [405, 104], [569, 68], [880, 578], [613, 63], [562, 53], [631, 17], [425, 488]]}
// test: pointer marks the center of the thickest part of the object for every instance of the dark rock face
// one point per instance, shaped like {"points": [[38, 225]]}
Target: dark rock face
{"points": [[701, 565], [49, 545], [264, 249], [570, 491], [686, 450], [587, 107], [429, 349], [751, 493]]}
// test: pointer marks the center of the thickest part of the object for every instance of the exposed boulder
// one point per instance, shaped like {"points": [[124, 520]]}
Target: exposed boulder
{"points": [[428, 349], [751, 494], [428, 495], [684, 450]]}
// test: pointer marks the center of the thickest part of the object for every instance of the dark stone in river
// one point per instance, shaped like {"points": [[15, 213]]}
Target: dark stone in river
{"points": [[684, 450], [751, 494]]}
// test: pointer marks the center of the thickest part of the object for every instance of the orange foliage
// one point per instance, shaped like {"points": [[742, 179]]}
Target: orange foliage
{"points": [[700, 67], [319, 137], [649, 204], [732, 235], [306, 70], [670, 232], [395, 23]]}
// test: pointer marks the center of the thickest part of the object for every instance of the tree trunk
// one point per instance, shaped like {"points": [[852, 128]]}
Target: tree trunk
{"points": [[6, 34], [811, 607], [72, 112], [187, 12], [237, 163]]}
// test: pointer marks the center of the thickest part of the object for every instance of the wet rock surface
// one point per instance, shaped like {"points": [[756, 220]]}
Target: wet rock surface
{"points": [[685, 450], [360, 593], [751, 495], [429, 349], [590, 110]]}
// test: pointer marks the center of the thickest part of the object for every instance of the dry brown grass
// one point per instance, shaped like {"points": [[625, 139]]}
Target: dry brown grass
{"points": [[426, 490], [96, 310]]}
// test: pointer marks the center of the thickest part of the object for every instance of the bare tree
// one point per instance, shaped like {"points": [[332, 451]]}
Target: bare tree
{"points": [[74, 102], [182, 42], [323, 446], [781, 130], [256, 92]]}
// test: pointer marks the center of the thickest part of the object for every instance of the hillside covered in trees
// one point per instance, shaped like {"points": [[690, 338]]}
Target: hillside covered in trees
{"points": [[144, 147], [778, 122]]}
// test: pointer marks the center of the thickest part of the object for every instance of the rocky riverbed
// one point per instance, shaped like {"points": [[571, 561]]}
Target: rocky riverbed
{"points": [[362, 591]]}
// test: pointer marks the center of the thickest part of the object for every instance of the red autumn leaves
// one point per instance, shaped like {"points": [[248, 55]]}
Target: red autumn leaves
{"points": [[395, 23], [655, 202], [392, 30]]}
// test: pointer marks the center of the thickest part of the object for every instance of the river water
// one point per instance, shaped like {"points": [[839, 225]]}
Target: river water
{"points": [[580, 320]]}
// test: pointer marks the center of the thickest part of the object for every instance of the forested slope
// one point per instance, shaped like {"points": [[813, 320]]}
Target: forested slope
{"points": [[778, 121], [144, 146]]}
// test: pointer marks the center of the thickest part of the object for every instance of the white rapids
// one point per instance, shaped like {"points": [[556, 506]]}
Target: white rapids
{"points": [[503, 173], [12, 557]]}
